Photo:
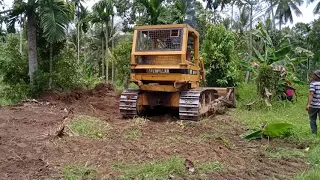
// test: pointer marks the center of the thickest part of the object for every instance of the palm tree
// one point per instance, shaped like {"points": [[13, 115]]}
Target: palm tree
{"points": [[103, 10], [316, 10], [54, 16], [285, 9], [81, 14], [181, 6], [153, 8], [214, 4], [242, 20]]}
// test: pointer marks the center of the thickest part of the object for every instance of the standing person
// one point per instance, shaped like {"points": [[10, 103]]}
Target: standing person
{"points": [[313, 106]]}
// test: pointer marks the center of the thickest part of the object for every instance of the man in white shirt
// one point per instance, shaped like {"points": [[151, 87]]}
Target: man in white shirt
{"points": [[313, 106]]}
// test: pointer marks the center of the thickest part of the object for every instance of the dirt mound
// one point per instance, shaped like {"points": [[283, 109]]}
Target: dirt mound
{"points": [[100, 90]]}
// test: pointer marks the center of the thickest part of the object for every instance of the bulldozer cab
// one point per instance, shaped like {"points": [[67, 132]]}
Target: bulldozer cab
{"points": [[166, 56]]}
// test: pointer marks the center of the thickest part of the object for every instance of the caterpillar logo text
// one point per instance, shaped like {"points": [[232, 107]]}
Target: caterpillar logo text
{"points": [[157, 70]]}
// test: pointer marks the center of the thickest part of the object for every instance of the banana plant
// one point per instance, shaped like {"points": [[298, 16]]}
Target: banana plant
{"points": [[274, 66]]}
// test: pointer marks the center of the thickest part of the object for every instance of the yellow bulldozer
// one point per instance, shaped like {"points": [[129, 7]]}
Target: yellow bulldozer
{"points": [[166, 67]]}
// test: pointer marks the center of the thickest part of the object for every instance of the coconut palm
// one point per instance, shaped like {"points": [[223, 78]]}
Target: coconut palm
{"points": [[285, 9], [214, 4], [316, 10], [54, 16]]}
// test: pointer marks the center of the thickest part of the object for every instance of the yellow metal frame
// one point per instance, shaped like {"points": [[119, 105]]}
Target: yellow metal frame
{"points": [[177, 80]]}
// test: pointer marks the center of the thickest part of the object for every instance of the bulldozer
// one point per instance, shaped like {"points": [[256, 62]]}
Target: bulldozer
{"points": [[167, 68]]}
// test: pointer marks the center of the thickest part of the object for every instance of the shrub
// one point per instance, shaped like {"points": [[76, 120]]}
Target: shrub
{"points": [[220, 56]]}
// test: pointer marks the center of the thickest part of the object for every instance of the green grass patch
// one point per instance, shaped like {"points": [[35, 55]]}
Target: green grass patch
{"points": [[133, 133], [206, 137], [89, 127], [162, 169], [209, 167], [314, 159], [283, 112], [285, 153], [78, 172]]}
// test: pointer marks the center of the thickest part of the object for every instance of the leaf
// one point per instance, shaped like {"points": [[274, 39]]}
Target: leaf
{"points": [[277, 129], [283, 51], [258, 54], [303, 51], [253, 135]]}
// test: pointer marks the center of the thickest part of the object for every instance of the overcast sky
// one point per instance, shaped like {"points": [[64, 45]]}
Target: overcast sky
{"points": [[307, 11]]}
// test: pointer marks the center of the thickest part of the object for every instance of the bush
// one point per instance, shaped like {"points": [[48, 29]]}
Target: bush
{"points": [[122, 54], [268, 78], [13, 66], [220, 56], [14, 71]]}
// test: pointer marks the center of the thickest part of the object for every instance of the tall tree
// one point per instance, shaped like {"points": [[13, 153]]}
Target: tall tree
{"points": [[316, 9], [81, 14], [55, 16], [214, 4], [153, 8], [104, 11], [285, 9], [50, 23]]}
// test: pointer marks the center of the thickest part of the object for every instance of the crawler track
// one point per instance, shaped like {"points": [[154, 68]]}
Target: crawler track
{"points": [[128, 103], [194, 104]]}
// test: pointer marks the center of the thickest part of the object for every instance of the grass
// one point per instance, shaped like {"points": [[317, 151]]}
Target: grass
{"points": [[78, 172], [3, 100], [173, 166], [287, 112], [134, 133], [285, 153], [88, 127]]}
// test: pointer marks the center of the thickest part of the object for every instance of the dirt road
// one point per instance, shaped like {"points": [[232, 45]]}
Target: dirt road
{"points": [[29, 150]]}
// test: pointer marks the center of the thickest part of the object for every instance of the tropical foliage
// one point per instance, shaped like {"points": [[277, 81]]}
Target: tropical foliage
{"points": [[64, 44]]}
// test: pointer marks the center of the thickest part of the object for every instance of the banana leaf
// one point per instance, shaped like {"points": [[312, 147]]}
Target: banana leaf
{"points": [[253, 135], [277, 129]]}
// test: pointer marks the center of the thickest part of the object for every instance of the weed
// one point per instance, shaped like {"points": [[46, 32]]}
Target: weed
{"points": [[133, 133], [162, 169], [206, 136], [225, 141], [138, 121], [209, 167], [153, 170], [78, 172], [284, 153], [88, 126]]}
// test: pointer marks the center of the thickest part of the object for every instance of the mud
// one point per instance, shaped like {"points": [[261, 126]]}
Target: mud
{"points": [[28, 150]]}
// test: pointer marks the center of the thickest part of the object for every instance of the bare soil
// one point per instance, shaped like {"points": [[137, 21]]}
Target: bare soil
{"points": [[29, 149]]}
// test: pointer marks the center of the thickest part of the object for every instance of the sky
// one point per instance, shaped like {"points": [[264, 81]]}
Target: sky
{"points": [[307, 11]]}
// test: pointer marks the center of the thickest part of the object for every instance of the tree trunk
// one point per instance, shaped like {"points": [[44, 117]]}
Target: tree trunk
{"points": [[251, 45], [50, 66], [106, 56], [273, 18], [232, 4], [21, 37], [32, 46], [78, 42], [113, 33], [103, 54], [280, 23]]}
